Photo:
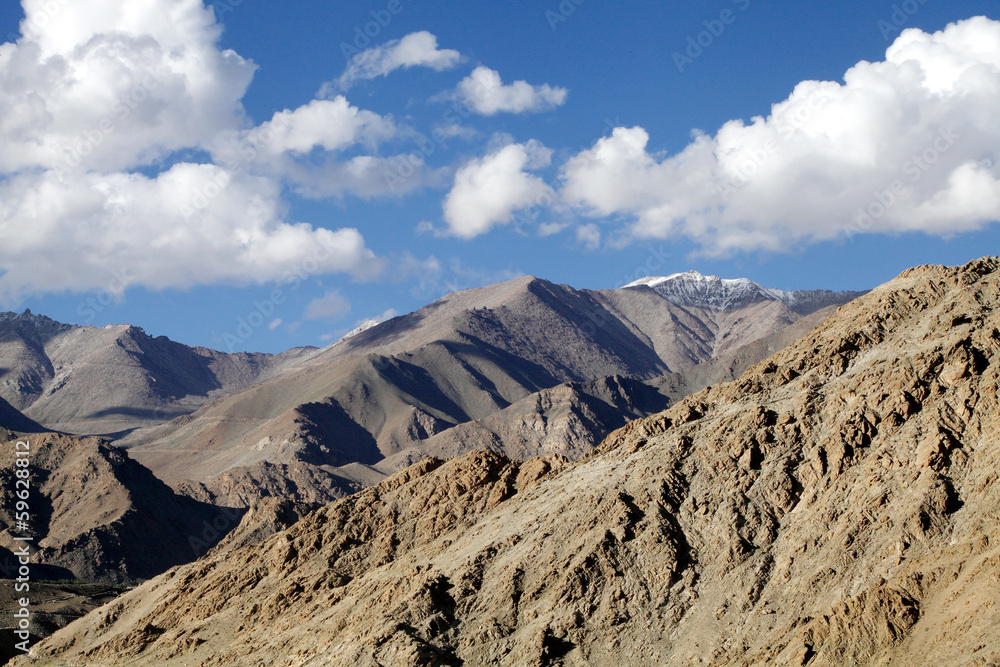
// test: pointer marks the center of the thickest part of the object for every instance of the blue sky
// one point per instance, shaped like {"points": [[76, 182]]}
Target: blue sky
{"points": [[607, 163]]}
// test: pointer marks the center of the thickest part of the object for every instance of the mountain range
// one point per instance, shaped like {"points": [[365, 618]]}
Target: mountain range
{"points": [[834, 505], [525, 368], [110, 380], [94, 510], [568, 365]]}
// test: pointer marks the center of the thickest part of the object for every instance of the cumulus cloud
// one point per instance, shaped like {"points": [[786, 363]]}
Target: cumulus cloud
{"points": [[488, 191], [418, 49], [323, 149], [485, 92], [79, 231], [329, 124], [906, 144], [327, 307], [115, 87], [98, 99]]}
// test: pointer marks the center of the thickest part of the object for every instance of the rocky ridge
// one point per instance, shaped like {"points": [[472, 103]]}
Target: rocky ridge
{"points": [[108, 381], [94, 511]]}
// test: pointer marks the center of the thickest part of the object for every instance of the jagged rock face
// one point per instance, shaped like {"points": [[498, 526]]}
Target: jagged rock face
{"points": [[97, 515], [834, 506], [243, 487]]}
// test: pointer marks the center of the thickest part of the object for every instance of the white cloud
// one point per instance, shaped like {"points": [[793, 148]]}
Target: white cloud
{"points": [[328, 124], [96, 101], [274, 324], [485, 92], [418, 49], [551, 228], [489, 190], [78, 231], [113, 86], [285, 148], [444, 131], [908, 144], [589, 235], [327, 307]]}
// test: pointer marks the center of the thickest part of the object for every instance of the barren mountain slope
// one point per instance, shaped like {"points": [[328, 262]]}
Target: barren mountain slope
{"points": [[102, 517], [568, 419], [89, 380], [571, 419], [834, 506], [463, 358]]}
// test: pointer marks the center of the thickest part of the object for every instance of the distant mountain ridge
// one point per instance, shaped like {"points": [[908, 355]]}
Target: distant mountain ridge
{"points": [[508, 366], [98, 381], [524, 367], [692, 289]]}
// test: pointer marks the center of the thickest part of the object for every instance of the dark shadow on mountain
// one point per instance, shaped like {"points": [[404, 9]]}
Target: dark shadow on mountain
{"points": [[10, 566], [529, 374], [335, 438], [8, 644], [14, 419], [161, 415]]}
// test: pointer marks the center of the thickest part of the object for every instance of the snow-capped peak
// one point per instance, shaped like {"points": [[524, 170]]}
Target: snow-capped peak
{"points": [[693, 289], [360, 329]]}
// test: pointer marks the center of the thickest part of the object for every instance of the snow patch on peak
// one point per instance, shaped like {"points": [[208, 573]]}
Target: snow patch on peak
{"points": [[360, 329], [711, 292], [696, 290]]}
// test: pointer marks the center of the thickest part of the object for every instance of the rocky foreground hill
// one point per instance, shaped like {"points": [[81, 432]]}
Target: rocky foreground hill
{"points": [[836, 505], [98, 516]]}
